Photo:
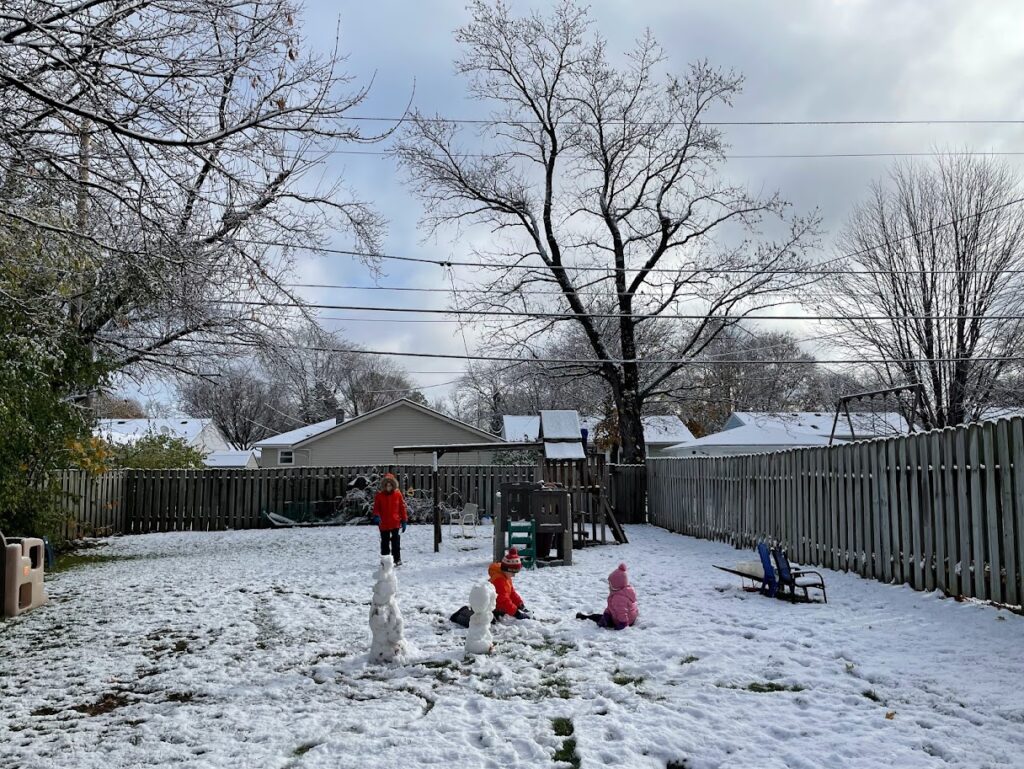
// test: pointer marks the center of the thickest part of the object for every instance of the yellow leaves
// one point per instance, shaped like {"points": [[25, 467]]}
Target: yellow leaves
{"points": [[92, 455]]}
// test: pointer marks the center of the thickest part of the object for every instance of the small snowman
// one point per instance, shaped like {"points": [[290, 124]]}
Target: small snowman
{"points": [[387, 641], [482, 600]]}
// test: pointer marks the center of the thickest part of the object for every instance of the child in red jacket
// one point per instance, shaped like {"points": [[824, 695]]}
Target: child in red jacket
{"points": [[391, 517], [509, 602]]}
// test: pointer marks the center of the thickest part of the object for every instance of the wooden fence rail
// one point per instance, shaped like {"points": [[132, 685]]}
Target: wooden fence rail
{"points": [[943, 509], [143, 501]]}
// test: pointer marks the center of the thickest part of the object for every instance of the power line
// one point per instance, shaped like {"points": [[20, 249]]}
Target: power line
{"points": [[609, 315], [595, 362], [729, 156], [880, 121], [695, 270]]}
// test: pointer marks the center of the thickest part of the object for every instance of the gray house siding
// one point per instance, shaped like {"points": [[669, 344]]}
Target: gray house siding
{"points": [[371, 442]]}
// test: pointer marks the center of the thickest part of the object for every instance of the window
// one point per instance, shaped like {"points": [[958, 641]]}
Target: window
{"points": [[285, 458]]}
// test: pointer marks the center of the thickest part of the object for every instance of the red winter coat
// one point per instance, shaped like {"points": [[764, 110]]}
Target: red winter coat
{"points": [[508, 599], [390, 506]]}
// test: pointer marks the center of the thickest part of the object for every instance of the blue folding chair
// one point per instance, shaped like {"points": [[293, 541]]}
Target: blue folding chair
{"points": [[770, 583], [791, 578]]}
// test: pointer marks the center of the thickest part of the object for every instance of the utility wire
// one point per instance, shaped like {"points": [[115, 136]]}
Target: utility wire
{"points": [[489, 121], [809, 270], [611, 315], [596, 362]]}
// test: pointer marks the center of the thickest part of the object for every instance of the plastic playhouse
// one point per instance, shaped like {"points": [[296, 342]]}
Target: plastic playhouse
{"points": [[21, 575]]}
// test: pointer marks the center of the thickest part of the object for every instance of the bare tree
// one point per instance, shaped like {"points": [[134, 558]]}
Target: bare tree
{"points": [[242, 403], [318, 381], [934, 287], [167, 146], [110, 405], [601, 180]]}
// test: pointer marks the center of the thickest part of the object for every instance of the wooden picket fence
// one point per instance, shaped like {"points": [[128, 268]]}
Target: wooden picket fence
{"points": [[143, 501], [190, 500], [627, 488], [93, 504], [943, 509]]}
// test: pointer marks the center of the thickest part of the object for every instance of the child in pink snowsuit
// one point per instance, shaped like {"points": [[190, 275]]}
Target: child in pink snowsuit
{"points": [[622, 609]]}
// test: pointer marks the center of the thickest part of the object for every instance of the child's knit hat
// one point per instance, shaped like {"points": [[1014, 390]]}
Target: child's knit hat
{"points": [[511, 562], [619, 579]]}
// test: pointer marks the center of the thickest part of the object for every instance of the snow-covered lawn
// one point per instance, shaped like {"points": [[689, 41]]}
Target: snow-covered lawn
{"points": [[248, 649]]}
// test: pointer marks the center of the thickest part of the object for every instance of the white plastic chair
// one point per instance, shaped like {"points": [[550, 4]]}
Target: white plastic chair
{"points": [[468, 515]]}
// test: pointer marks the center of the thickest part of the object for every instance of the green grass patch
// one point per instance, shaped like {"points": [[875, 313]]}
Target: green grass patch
{"points": [[79, 560], [765, 687], [557, 686], [567, 753], [438, 664], [623, 679], [563, 727], [304, 748]]}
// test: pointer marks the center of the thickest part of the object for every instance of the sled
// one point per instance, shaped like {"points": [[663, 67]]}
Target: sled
{"points": [[762, 573]]}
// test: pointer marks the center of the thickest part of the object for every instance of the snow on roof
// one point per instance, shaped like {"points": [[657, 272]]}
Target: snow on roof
{"points": [[126, 431], [751, 436], [865, 424], [665, 429], [228, 458], [520, 428], [298, 434], [1001, 413], [658, 430], [560, 425], [564, 451]]}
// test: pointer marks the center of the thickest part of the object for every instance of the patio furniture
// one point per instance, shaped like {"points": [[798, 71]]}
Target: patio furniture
{"points": [[467, 515], [792, 578]]}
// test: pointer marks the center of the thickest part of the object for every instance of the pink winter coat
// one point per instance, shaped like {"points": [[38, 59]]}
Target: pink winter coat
{"points": [[622, 606]]}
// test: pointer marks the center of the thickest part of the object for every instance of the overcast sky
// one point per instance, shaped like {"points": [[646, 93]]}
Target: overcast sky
{"points": [[802, 59]]}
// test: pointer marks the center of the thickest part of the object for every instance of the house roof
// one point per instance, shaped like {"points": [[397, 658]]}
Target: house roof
{"points": [[520, 427], [297, 435], [228, 458], [865, 424], [666, 429], [658, 430], [560, 425], [310, 433], [752, 436], [126, 431]]}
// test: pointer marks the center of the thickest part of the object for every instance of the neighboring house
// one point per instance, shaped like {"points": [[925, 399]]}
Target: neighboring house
{"points": [[369, 439], [866, 424], [201, 434], [755, 432], [234, 459], [660, 432]]}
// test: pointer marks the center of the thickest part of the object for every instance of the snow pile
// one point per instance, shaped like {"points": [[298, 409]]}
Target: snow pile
{"points": [[482, 600], [386, 628]]}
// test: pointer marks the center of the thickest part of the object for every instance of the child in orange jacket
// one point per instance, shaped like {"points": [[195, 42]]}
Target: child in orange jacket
{"points": [[391, 517], [509, 604]]}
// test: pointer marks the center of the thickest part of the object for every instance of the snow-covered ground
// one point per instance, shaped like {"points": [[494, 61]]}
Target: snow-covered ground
{"points": [[248, 649]]}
